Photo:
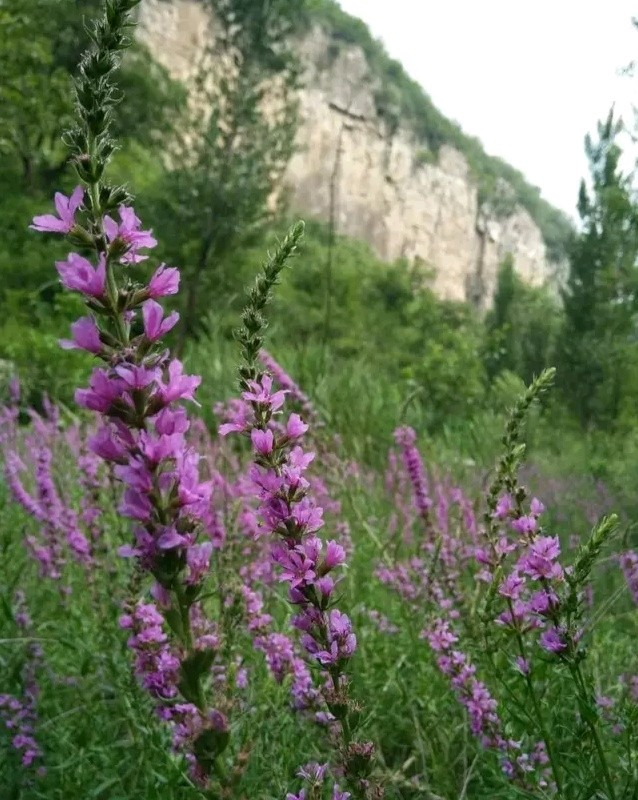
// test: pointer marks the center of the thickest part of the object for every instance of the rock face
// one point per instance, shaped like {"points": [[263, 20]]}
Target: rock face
{"points": [[375, 183]]}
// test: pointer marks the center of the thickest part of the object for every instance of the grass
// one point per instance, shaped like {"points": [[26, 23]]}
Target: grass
{"points": [[97, 728]]}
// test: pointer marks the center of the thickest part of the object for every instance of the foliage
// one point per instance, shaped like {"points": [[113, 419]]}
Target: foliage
{"points": [[235, 143], [35, 87], [598, 347], [522, 327]]}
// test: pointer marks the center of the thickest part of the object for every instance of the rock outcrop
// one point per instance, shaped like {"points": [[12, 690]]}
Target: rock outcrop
{"points": [[377, 183]]}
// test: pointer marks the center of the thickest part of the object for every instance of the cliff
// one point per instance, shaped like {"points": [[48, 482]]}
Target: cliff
{"points": [[379, 181]]}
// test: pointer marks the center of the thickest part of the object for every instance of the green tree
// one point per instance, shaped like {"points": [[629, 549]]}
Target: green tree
{"points": [[522, 327], [240, 133], [600, 298], [42, 41]]}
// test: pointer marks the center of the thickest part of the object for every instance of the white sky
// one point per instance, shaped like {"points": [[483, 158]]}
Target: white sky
{"points": [[528, 78]]}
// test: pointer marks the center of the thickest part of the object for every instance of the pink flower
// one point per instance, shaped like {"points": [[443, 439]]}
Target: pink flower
{"points": [[524, 525], [86, 336], [198, 561], [128, 231], [105, 445], [136, 505], [552, 641], [179, 386], [335, 555], [171, 420], [102, 391], [263, 441], [155, 326], [66, 208], [295, 427], [504, 506], [511, 586], [165, 281], [406, 436], [78, 274], [262, 393], [536, 507], [137, 377]]}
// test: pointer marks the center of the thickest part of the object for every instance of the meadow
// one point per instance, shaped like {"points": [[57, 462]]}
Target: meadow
{"points": [[272, 568]]}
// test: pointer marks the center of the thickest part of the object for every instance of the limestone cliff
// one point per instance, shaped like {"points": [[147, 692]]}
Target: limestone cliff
{"points": [[377, 182]]}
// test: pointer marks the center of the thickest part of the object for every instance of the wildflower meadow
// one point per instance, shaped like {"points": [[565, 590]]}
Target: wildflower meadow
{"points": [[208, 591]]}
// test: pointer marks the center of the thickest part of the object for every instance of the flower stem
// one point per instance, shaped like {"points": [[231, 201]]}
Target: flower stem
{"points": [[539, 715], [584, 698]]}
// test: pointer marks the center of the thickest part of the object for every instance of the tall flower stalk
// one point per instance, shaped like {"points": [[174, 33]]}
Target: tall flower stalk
{"points": [[292, 518], [137, 393]]}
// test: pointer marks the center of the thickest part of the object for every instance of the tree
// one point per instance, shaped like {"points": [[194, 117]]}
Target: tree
{"points": [[239, 137], [521, 328], [42, 41], [600, 297]]}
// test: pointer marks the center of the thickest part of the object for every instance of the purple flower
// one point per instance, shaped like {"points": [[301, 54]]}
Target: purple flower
{"points": [[552, 641], [79, 275], [108, 446], [262, 394], [504, 506], [165, 281], [102, 392], [512, 586], [295, 427], [86, 336], [525, 525], [313, 772], [536, 507], [179, 386], [155, 326], [540, 560], [198, 561], [263, 441], [128, 231], [66, 208], [335, 555]]}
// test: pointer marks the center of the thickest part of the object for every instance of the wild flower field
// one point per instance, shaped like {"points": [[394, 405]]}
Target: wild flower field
{"points": [[224, 603]]}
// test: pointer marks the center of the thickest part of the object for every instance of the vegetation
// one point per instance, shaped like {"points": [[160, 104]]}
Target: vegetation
{"points": [[379, 560]]}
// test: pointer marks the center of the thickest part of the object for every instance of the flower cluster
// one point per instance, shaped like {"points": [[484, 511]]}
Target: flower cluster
{"points": [[482, 709], [144, 436], [19, 713], [530, 588], [315, 775], [287, 511], [406, 438], [629, 565], [61, 529], [290, 517], [444, 547]]}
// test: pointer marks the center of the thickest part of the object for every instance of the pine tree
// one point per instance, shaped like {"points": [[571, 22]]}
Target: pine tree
{"points": [[600, 297]]}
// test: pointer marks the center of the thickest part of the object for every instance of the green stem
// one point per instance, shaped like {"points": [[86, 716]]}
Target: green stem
{"points": [[584, 697], [184, 608], [539, 715]]}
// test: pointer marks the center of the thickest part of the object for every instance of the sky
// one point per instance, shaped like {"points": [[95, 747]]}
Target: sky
{"points": [[530, 79]]}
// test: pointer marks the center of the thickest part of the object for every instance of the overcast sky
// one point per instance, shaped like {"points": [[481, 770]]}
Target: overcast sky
{"points": [[528, 78]]}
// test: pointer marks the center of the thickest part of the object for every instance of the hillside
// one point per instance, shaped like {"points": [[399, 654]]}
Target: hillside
{"points": [[375, 154], [402, 101]]}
